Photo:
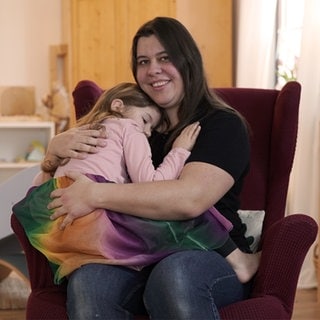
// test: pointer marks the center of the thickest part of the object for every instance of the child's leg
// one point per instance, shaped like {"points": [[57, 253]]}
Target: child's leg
{"points": [[245, 265]]}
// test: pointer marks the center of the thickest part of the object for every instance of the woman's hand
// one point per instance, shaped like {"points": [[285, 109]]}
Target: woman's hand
{"points": [[74, 201], [188, 136], [76, 143]]}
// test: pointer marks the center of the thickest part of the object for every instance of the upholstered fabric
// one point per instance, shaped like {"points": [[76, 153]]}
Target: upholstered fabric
{"points": [[273, 117], [85, 94]]}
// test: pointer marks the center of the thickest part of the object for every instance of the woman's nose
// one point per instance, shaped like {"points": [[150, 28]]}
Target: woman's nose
{"points": [[154, 67]]}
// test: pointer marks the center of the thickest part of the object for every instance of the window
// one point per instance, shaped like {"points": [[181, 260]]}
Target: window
{"points": [[290, 19]]}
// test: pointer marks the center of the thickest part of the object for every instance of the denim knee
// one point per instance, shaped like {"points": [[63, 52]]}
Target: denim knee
{"points": [[191, 285]]}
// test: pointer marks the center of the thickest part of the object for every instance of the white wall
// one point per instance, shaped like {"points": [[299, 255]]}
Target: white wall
{"points": [[27, 29]]}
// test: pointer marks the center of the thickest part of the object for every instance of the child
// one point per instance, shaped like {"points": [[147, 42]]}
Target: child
{"points": [[128, 116]]}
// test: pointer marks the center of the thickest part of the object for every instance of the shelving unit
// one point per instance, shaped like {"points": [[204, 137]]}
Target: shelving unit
{"points": [[15, 140]]}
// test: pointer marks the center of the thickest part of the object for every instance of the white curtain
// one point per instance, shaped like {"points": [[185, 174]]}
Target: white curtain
{"points": [[255, 35], [255, 67], [304, 189]]}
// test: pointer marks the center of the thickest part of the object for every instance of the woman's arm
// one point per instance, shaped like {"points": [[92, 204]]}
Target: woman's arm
{"points": [[199, 187], [76, 143]]}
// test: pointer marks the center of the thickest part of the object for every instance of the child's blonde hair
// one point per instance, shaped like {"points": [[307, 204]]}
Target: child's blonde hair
{"points": [[129, 93]]}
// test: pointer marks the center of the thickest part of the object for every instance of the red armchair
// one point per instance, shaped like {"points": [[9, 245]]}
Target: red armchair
{"points": [[273, 117]]}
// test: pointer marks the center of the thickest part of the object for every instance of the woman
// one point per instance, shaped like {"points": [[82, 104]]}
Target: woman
{"points": [[167, 65]]}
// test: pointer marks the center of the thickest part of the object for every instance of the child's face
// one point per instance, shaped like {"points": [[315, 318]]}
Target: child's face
{"points": [[147, 118]]}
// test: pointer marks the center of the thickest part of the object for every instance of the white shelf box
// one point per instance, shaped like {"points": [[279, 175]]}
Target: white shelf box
{"points": [[16, 138]]}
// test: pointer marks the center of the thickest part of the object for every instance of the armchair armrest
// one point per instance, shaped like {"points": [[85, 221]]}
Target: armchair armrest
{"points": [[284, 247]]}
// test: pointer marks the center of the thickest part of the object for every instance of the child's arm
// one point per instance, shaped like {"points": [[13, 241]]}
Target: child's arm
{"points": [[139, 162]]}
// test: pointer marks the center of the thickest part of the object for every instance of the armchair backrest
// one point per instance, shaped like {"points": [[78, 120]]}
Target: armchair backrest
{"points": [[273, 119]]}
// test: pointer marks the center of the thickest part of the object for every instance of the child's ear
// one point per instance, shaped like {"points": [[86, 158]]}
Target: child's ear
{"points": [[117, 105]]}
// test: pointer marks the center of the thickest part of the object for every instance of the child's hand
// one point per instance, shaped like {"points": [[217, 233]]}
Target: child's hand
{"points": [[187, 137]]}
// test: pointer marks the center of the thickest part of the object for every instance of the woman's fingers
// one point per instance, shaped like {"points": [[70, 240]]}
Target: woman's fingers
{"points": [[76, 142], [72, 201], [66, 221], [83, 140]]}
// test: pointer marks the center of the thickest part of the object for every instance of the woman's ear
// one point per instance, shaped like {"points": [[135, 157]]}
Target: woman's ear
{"points": [[117, 105]]}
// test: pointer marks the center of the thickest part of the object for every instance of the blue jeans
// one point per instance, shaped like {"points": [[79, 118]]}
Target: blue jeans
{"points": [[185, 285]]}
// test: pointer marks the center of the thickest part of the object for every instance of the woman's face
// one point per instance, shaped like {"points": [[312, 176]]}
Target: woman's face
{"points": [[158, 77]]}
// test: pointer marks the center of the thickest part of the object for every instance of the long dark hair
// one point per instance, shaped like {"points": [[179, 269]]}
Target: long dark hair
{"points": [[198, 100]]}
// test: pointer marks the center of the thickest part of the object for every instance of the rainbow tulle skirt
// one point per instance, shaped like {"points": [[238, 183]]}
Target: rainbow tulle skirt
{"points": [[109, 237]]}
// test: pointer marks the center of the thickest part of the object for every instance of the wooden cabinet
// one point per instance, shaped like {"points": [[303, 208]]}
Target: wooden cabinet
{"points": [[99, 34], [211, 24], [15, 140]]}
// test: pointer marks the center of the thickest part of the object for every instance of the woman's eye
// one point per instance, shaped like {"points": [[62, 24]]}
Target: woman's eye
{"points": [[142, 62], [165, 58]]}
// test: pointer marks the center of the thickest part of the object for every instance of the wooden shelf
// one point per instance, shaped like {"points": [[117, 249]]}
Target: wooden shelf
{"points": [[17, 165]]}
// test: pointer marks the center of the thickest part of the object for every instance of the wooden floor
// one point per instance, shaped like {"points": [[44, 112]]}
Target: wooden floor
{"points": [[306, 308], [306, 305]]}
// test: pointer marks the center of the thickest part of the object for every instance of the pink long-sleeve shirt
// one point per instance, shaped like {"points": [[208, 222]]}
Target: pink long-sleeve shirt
{"points": [[127, 156]]}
